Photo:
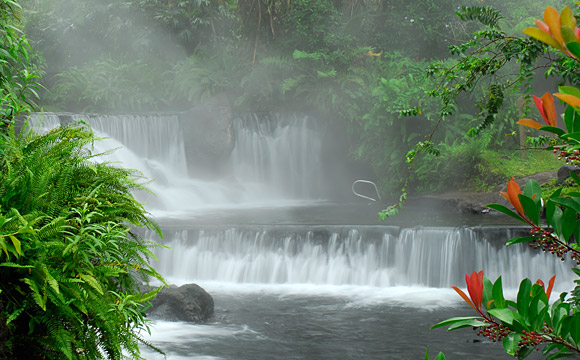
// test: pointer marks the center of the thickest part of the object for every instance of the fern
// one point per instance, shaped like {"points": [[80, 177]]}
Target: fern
{"points": [[78, 258], [484, 14]]}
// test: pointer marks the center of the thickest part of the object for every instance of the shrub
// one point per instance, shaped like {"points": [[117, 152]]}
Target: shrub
{"points": [[70, 264]]}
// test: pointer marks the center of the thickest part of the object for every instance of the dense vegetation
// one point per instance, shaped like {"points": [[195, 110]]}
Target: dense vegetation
{"points": [[71, 267], [358, 64], [532, 322]]}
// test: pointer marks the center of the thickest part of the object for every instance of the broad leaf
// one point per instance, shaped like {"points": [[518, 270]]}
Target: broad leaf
{"points": [[529, 123], [510, 343], [454, 320], [505, 315], [497, 293], [531, 208], [573, 204], [574, 48], [569, 224], [533, 191], [553, 130], [569, 116], [523, 299], [543, 37], [571, 136], [506, 211], [521, 239], [569, 90]]}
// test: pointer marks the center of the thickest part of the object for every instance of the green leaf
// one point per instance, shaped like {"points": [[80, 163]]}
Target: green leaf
{"points": [[559, 313], [520, 239], [553, 130], [510, 343], [569, 90], [506, 211], [572, 136], [575, 329], [533, 188], [569, 224], [89, 279], [466, 323], [575, 176], [574, 48], [551, 207], [505, 315], [573, 204], [454, 320], [569, 115], [17, 245], [531, 208], [440, 356], [523, 299], [498, 299]]}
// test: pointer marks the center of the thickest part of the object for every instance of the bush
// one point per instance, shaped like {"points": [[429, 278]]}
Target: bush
{"points": [[70, 265]]}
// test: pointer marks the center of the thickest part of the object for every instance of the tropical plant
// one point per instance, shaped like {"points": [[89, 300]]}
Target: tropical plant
{"points": [[18, 77], [532, 321], [71, 265]]}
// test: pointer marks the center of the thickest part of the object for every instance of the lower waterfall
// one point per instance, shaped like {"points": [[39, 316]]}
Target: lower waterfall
{"points": [[379, 256]]}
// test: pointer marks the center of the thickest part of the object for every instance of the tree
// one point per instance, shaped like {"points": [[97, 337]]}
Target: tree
{"points": [[532, 321]]}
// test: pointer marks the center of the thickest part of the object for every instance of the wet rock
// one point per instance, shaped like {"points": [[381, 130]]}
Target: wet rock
{"points": [[189, 303], [208, 134]]}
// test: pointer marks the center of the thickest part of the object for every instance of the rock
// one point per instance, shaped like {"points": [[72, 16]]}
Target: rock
{"points": [[208, 134], [188, 303], [564, 172]]}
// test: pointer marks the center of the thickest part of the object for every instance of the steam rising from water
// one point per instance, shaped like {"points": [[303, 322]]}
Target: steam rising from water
{"points": [[275, 162]]}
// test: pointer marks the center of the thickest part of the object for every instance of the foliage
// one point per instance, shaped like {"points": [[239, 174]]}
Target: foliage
{"points": [[70, 264], [107, 84], [18, 77], [531, 321]]}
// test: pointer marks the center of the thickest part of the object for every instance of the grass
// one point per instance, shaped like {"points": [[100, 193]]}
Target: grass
{"points": [[472, 167], [498, 166]]}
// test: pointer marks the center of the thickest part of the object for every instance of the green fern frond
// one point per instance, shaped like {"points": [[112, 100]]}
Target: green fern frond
{"points": [[486, 15]]}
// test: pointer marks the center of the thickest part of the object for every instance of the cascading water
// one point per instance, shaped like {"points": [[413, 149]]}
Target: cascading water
{"points": [[281, 153], [275, 161], [378, 256], [298, 289]]}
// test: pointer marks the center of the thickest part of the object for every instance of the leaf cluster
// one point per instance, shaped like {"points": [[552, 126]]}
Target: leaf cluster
{"points": [[70, 264]]}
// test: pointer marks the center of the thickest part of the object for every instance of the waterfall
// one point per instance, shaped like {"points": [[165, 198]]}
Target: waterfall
{"points": [[380, 256], [275, 160], [281, 151]]}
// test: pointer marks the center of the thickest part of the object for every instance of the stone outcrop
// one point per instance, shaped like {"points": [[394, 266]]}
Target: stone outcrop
{"points": [[208, 134], [564, 172], [188, 303]]}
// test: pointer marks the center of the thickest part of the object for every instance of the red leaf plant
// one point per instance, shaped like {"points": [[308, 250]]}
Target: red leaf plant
{"points": [[475, 289], [546, 108]]}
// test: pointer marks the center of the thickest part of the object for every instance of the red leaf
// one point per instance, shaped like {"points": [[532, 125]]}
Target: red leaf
{"points": [[475, 288], [462, 294], [513, 190]]}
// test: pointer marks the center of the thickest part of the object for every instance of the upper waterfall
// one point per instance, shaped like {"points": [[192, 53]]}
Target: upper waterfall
{"points": [[276, 160]]}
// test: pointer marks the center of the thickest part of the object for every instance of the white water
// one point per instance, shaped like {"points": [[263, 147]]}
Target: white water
{"points": [[274, 163], [371, 257], [302, 292]]}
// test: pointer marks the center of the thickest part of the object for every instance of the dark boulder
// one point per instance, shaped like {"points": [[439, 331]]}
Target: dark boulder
{"points": [[564, 172], [188, 303]]}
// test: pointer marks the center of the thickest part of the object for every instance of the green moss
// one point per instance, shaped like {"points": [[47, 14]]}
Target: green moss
{"points": [[510, 163], [471, 167]]}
